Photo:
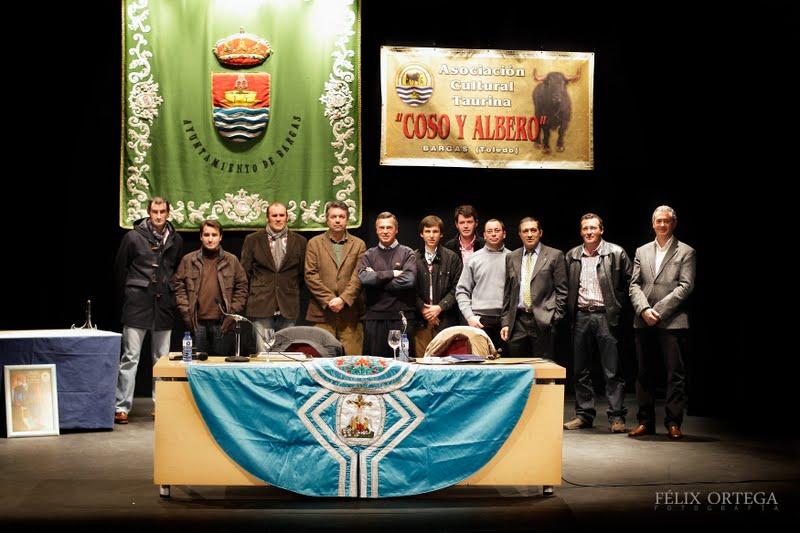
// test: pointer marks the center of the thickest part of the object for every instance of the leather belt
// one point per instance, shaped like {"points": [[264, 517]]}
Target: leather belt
{"points": [[592, 309], [528, 310]]}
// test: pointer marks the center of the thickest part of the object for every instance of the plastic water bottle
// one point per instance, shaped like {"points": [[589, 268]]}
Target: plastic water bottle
{"points": [[187, 347], [404, 351]]}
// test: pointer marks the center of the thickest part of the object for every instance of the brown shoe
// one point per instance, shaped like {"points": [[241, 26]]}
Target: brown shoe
{"points": [[577, 423], [120, 417], [617, 426], [675, 432], [642, 430]]}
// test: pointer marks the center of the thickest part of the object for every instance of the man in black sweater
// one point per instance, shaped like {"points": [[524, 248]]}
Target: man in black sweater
{"points": [[388, 274]]}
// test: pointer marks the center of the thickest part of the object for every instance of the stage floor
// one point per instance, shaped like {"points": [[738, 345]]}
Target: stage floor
{"points": [[102, 480]]}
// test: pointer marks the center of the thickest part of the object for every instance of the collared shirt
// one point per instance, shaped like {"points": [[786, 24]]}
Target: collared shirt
{"points": [[466, 249], [534, 256], [337, 247], [661, 252], [392, 246], [589, 293], [430, 256]]}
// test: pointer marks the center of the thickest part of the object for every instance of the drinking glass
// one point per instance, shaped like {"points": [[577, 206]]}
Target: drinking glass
{"points": [[269, 341], [394, 340]]}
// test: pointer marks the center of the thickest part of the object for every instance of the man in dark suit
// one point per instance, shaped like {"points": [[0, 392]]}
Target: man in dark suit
{"points": [[535, 295], [663, 279], [273, 259]]}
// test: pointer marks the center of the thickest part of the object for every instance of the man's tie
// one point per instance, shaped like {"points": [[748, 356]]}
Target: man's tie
{"points": [[526, 280]]}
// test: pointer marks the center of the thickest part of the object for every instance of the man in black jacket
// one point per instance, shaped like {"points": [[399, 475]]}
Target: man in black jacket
{"points": [[145, 264], [467, 241], [599, 273], [438, 270]]}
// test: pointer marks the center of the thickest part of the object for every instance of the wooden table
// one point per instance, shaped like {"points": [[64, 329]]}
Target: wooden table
{"points": [[186, 453]]}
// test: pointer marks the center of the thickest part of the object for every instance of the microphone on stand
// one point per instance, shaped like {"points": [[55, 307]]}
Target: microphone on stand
{"points": [[237, 330], [239, 318]]}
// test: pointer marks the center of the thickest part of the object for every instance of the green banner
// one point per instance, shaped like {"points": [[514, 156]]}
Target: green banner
{"points": [[230, 106]]}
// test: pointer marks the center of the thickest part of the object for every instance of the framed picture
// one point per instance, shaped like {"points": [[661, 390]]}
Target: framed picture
{"points": [[31, 400]]}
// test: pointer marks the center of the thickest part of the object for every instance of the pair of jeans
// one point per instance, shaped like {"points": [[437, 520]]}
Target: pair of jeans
{"points": [[592, 329], [132, 340], [260, 325], [208, 337]]}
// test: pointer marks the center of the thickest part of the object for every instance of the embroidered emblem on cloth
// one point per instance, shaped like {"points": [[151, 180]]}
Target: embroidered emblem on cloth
{"points": [[360, 366], [360, 373], [242, 50], [240, 103], [400, 421], [360, 419], [366, 429]]}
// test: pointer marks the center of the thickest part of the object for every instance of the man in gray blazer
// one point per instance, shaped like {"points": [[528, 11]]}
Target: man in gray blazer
{"points": [[663, 279], [535, 295]]}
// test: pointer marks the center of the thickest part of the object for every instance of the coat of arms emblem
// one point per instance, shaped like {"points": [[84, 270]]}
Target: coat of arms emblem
{"points": [[414, 85], [240, 105]]}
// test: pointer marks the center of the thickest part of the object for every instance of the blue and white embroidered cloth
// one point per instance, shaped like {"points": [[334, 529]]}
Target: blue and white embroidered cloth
{"points": [[358, 425]]}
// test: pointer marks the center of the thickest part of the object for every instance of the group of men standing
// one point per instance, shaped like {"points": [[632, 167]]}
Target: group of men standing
{"points": [[357, 294]]}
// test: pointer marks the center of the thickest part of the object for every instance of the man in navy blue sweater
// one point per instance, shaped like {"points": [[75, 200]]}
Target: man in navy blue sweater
{"points": [[388, 274]]}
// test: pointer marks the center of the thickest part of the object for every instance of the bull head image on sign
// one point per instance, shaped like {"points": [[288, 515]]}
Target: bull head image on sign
{"points": [[553, 107]]}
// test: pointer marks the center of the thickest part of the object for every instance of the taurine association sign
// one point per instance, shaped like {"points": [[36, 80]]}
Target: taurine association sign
{"points": [[486, 108]]}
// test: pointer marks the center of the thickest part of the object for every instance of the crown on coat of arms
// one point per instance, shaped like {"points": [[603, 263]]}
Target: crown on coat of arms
{"points": [[242, 49]]}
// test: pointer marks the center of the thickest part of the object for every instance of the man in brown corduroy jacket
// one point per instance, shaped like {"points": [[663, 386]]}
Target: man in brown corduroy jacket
{"points": [[336, 303]]}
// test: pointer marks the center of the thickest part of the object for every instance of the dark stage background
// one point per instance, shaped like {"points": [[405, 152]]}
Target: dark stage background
{"points": [[664, 134]]}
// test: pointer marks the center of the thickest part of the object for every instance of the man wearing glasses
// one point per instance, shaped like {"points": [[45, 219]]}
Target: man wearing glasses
{"points": [[480, 288]]}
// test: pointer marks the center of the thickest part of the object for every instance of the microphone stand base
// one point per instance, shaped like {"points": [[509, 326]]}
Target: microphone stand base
{"points": [[237, 359]]}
